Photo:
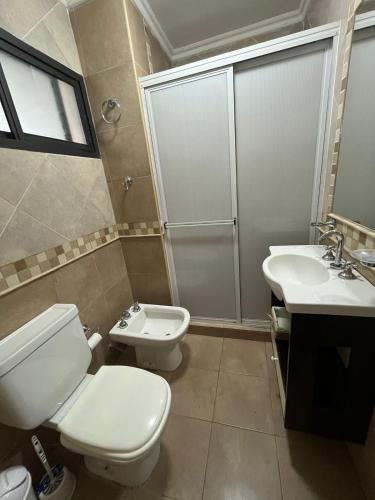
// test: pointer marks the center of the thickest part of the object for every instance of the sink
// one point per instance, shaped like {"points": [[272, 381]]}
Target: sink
{"points": [[307, 284], [299, 269]]}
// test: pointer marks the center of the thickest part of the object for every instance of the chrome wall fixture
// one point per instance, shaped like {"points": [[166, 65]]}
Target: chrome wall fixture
{"points": [[127, 183], [111, 110]]}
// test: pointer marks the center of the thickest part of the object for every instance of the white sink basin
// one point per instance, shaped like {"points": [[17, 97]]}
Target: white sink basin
{"points": [[305, 282]]}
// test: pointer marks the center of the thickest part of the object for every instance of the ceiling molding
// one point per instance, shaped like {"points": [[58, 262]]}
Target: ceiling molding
{"points": [[154, 26], [230, 37], [249, 31]]}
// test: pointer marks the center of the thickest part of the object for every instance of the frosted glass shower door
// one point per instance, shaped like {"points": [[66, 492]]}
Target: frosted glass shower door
{"points": [[281, 108], [192, 129]]}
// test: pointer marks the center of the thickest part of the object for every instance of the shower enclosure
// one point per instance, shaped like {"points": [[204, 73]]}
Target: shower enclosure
{"points": [[237, 154]]}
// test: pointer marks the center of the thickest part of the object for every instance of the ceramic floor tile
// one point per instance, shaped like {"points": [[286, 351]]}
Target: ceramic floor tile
{"points": [[202, 351], [243, 401], [314, 468], [193, 392], [246, 357], [180, 471], [242, 465], [90, 486]]}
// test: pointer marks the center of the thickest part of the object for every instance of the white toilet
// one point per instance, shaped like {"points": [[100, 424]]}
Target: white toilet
{"points": [[155, 332], [114, 418]]}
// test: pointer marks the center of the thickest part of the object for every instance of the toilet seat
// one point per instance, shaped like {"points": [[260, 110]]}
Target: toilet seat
{"points": [[119, 416]]}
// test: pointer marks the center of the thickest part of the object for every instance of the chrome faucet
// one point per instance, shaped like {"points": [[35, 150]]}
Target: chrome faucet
{"points": [[136, 307], [338, 264]]}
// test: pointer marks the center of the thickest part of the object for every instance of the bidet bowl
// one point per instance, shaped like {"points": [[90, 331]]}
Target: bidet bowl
{"points": [[155, 332]]}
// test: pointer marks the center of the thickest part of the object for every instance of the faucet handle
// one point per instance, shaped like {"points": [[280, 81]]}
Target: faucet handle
{"points": [[347, 272], [125, 314], [136, 307]]}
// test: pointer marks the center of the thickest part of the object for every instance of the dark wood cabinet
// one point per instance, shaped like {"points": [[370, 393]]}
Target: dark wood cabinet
{"points": [[326, 370]]}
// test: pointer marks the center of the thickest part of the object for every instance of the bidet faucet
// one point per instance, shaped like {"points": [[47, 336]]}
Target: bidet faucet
{"points": [[338, 264], [136, 307]]}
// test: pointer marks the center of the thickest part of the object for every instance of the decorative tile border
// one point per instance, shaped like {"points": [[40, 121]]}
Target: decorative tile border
{"points": [[17, 274], [139, 228], [341, 104]]}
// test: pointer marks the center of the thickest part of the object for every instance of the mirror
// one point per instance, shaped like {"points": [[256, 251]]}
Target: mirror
{"points": [[355, 183]]}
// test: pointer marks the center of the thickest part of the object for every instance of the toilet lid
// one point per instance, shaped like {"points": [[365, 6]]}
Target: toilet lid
{"points": [[119, 411]]}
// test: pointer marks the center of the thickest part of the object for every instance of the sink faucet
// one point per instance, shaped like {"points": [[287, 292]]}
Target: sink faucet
{"points": [[338, 264]]}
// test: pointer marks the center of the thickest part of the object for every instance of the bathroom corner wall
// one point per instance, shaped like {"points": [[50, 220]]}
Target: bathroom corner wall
{"points": [[115, 49], [48, 206]]}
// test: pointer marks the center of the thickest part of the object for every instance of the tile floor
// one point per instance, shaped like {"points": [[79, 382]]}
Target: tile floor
{"points": [[225, 438]]}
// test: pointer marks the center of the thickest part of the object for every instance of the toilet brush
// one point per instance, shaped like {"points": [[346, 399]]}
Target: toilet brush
{"points": [[53, 480], [58, 483]]}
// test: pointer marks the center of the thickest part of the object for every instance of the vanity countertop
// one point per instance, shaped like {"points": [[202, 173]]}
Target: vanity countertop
{"points": [[299, 276]]}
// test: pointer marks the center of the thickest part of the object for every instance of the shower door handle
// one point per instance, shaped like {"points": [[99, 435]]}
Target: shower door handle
{"points": [[225, 222]]}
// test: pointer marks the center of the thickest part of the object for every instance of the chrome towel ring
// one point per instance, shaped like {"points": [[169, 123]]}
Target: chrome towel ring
{"points": [[108, 107]]}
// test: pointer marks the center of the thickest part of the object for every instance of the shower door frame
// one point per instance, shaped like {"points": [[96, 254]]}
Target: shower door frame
{"points": [[228, 72], [224, 63]]}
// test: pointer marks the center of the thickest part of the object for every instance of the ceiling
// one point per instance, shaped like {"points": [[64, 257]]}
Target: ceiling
{"points": [[190, 21], [187, 27]]}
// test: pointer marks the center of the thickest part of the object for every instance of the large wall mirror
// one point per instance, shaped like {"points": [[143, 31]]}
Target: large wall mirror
{"points": [[355, 184]]}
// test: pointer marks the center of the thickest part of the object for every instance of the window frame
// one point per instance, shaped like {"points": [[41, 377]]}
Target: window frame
{"points": [[17, 138]]}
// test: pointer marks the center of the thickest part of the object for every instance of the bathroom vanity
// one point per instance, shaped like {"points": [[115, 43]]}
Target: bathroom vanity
{"points": [[325, 364]]}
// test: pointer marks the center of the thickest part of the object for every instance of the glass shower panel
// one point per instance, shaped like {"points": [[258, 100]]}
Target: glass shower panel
{"points": [[204, 267], [192, 134], [279, 100]]}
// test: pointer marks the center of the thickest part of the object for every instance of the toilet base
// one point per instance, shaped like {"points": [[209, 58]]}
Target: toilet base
{"points": [[168, 358], [127, 474]]}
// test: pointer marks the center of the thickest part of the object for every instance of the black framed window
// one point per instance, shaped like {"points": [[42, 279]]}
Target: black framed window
{"points": [[43, 104]]}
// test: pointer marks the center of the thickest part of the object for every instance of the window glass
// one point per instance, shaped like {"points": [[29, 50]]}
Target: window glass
{"points": [[46, 106], [4, 127]]}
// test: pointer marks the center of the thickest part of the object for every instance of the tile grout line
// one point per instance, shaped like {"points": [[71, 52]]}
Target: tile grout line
{"points": [[40, 21], [17, 205], [212, 420], [279, 469]]}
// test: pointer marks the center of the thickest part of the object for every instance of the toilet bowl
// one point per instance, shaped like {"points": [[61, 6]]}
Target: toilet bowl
{"points": [[155, 332], [116, 423], [115, 418]]}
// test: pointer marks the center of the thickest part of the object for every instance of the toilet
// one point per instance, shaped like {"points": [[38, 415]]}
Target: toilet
{"points": [[155, 332], [115, 418]]}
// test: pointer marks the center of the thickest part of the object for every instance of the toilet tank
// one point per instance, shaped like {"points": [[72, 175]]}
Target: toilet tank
{"points": [[41, 364]]}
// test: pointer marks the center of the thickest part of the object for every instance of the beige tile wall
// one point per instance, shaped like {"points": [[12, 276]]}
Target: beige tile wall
{"points": [[112, 69], [147, 273], [107, 60], [46, 199]]}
